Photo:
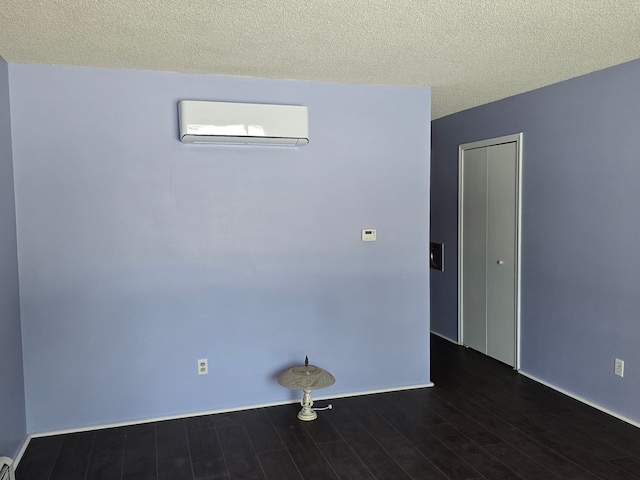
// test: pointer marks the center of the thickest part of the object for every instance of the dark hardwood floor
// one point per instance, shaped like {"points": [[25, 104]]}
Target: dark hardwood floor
{"points": [[481, 421]]}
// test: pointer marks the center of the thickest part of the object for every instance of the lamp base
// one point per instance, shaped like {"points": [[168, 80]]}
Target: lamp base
{"points": [[306, 414]]}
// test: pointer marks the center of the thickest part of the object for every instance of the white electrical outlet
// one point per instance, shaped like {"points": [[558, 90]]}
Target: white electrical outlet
{"points": [[618, 368], [203, 366]]}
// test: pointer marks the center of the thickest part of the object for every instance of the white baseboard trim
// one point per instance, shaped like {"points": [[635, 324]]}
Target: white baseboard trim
{"points": [[23, 449], [580, 399], [89, 428], [373, 392], [446, 338], [220, 410]]}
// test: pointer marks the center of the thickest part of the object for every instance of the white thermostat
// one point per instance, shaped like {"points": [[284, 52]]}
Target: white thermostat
{"points": [[368, 234]]}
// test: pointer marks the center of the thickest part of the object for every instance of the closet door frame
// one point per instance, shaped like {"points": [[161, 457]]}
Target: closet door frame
{"points": [[517, 138]]}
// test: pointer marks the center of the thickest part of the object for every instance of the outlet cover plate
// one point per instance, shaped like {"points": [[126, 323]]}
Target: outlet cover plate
{"points": [[203, 366]]}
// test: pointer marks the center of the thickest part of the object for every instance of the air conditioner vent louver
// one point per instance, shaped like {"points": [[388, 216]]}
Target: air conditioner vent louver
{"points": [[6, 469]]}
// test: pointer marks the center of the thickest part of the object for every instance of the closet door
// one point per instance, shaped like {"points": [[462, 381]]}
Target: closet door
{"points": [[501, 252], [488, 255], [474, 246]]}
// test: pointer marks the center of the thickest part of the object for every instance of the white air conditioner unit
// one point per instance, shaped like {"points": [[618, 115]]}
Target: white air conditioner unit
{"points": [[243, 123]]}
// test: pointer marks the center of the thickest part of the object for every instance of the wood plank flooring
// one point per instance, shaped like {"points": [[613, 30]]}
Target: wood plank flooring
{"points": [[481, 421]]}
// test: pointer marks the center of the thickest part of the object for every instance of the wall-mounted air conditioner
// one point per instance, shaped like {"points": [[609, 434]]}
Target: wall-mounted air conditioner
{"points": [[243, 123]]}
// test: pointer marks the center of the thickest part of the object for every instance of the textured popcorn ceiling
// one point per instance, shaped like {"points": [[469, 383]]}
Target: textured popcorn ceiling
{"points": [[470, 52]]}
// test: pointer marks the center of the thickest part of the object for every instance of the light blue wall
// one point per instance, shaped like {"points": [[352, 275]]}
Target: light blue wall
{"points": [[12, 400], [139, 254], [581, 226]]}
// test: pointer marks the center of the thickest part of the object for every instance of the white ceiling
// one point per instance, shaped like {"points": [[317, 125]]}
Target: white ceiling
{"points": [[469, 51]]}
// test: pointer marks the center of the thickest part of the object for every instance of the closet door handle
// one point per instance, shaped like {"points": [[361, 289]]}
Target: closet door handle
{"points": [[500, 262]]}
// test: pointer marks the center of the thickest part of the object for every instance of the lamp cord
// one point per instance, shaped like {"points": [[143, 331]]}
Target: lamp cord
{"points": [[328, 407]]}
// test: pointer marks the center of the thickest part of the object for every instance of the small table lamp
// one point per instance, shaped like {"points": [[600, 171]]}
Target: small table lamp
{"points": [[306, 378]]}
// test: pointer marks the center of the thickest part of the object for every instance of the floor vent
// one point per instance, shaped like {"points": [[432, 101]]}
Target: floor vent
{"points": [[6, 470]]}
